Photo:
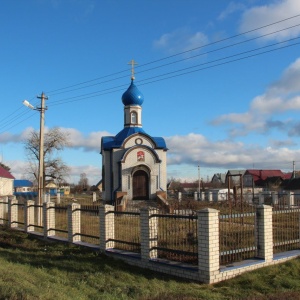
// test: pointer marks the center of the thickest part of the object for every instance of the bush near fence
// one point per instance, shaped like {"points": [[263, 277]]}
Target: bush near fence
{"points": [[205, 245]]}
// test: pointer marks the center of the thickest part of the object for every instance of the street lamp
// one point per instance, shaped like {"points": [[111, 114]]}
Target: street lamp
{"points": [[41, 109]]}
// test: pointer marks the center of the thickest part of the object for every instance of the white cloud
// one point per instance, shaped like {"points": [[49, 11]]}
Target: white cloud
{"points": [[180, 40], [226, 154], [94, 174], [259, 16], [231, 8], [7, 137], [90, 142], [280, 97]]}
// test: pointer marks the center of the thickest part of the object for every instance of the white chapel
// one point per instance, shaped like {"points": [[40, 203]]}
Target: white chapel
{"points": [[133, 162]]}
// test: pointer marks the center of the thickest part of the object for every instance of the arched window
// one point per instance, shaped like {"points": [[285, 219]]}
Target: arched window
{"points": [[133, 117]]}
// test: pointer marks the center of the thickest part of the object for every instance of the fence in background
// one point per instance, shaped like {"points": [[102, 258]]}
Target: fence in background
{"points": [[206, 246]]}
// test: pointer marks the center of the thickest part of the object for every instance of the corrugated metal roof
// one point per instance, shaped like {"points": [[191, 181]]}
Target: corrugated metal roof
{"points": [[5, 174], [22, 183], [264, 174]]}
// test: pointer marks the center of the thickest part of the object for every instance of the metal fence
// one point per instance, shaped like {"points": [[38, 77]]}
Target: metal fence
{"points": [[237, 237], [38, 226], [21, 214], [90, 224], [177, 237], [286, 229], [127, 231], [61, 221]]}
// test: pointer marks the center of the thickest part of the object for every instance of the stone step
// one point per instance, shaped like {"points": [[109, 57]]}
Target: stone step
{"points": [[136, 205]]}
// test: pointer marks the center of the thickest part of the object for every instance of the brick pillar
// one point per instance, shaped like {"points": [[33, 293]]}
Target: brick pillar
{"points": [[148, 233], [208, 245], [13, 212], [209, 196], [107, 227], [264, 232], [202, 196], [49, 219], [195, 196], [2, 210], [274, 198], [74, 223], [29, 215], [261, 198], [291, 199], [179, 196], [58, 197]]}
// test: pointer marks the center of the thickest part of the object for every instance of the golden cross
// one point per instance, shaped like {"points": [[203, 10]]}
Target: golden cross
{"points": [[132, 63]]}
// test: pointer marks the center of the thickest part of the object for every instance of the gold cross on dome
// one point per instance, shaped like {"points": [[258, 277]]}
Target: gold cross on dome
{"points": [[132, 63]]}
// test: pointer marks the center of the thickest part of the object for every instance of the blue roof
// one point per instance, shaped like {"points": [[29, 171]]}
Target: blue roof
{"points": [[22, 183], [109, 142], [132, 96]]}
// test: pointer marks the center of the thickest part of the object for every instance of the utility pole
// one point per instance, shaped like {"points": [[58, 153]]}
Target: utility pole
{"points": [[294, 168], [41, 109], [199, 180]]}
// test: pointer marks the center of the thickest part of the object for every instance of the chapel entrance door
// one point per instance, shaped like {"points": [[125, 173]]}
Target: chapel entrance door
{"points": [[140, 185]]}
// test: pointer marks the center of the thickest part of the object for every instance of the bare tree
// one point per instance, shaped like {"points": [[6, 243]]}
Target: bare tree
{"points": [[54, 141], [7, 168], [83, 182]]}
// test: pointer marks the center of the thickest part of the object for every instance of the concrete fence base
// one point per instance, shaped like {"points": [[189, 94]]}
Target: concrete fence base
{"points": [[208, 269]]}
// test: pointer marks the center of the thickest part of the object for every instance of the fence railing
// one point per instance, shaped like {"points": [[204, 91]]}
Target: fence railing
{"points": [[286, 229], [177, 237], [89, 224], [238, 237], [127, 231], [205, 241], [61, 221]]}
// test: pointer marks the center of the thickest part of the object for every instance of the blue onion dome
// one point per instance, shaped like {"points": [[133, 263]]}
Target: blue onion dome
{"points": [[132, 96]]}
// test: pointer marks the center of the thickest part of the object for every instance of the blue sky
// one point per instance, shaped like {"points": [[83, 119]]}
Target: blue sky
{"points": [[222, 92]]}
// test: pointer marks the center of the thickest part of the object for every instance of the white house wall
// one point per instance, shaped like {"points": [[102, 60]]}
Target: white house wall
{"points": [[6, 186]]}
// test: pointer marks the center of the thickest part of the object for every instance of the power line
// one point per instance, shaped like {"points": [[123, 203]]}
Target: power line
{"points": [[180, 53], [168, 74], [66, 90], [183, 71]]}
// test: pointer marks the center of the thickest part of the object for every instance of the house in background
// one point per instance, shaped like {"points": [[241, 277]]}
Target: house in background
{"points": [[99, 186], [6, 182], [293, 185], [51, 188], [22, 186], [264, 179], [233, 177], [218, 180]]}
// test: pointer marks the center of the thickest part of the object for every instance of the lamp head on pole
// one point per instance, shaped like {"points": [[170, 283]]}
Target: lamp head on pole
{"points": [[26, 103]]}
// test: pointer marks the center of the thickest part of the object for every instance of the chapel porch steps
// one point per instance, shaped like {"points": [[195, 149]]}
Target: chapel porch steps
{"points": [[136, 205]]}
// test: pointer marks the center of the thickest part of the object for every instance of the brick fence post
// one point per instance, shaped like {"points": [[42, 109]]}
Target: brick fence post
{"points": [[149, 226], [291, 199], [264, 232], [2, 210], [261, 198], [107, 227], [74, 223], [274, 198], [29, 215], [208, 245], [49, 219], [13, 212]]}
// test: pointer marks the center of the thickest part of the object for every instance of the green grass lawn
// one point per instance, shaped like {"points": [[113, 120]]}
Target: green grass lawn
{"points": [[35, 269]]}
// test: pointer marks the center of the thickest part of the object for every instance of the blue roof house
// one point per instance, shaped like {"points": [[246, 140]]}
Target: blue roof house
{"points": [[22, 186]]}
